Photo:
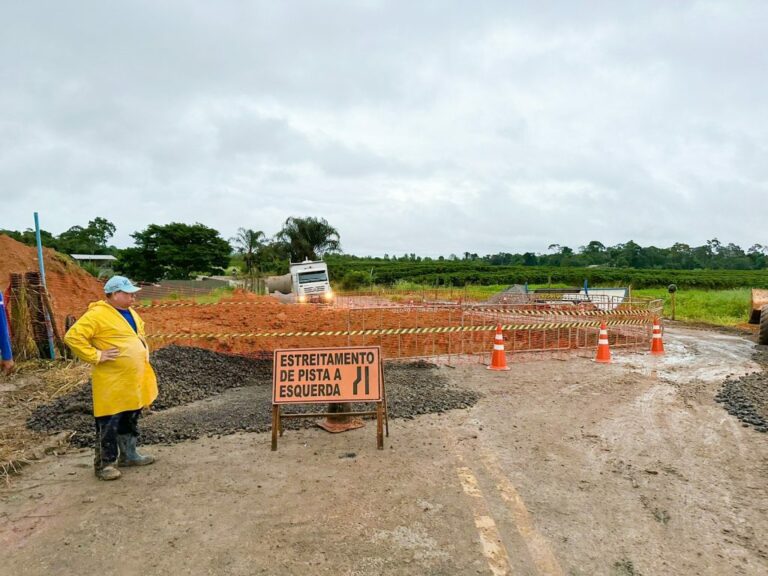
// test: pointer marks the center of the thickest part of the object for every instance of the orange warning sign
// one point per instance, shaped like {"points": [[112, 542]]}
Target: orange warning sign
{"points": [[309, 375]]}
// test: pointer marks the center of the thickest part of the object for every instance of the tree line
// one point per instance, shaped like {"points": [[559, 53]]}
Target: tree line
{"points": [[91, 239], [713, 255], [179, 251]]}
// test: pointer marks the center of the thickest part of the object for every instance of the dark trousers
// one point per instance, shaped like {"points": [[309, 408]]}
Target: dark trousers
{"points": [[107, 429]]}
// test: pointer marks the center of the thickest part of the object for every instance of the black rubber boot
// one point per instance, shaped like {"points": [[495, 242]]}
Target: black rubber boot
{"points": [[129, 456]]}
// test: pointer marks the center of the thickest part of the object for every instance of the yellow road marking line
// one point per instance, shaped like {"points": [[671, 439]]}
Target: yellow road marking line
{"points": [[538, 546], [490, 539]]}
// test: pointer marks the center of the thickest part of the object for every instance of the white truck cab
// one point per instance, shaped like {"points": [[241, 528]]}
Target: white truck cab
{"points": [[309, 281]]}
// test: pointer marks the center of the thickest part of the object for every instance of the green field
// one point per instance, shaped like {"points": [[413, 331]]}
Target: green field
{"points": [[461, 273], [719, 307], [718, 297]]}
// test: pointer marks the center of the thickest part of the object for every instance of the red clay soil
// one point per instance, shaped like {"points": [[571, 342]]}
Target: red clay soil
{"points": [[248, 314], [245, 315], [71, 288]]}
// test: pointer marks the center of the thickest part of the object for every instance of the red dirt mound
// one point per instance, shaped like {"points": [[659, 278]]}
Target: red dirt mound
{"points": [[71, 288]]}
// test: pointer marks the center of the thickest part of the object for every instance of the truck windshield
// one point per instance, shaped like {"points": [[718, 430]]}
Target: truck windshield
{"points": [[316, 276]]}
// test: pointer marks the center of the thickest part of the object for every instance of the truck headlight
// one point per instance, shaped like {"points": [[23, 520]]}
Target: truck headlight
{"points": [[328, 296], [302, 298]]}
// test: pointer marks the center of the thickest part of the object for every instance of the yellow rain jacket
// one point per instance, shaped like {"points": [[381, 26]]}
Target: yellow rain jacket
{"points": [[125, 383]]}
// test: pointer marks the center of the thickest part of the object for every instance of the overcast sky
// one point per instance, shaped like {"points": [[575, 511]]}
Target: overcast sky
{"points": [[429, 127]]}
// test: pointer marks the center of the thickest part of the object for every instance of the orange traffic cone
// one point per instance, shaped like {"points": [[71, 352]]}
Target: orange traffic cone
{"points": [[603, 351], [498, 358], [657, 345]]}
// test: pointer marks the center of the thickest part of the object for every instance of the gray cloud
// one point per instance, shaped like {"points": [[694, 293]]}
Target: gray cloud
{"points": [[433, 128]]}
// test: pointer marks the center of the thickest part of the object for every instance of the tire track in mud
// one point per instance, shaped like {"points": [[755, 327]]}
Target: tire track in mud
{"points": [[541, 554]]}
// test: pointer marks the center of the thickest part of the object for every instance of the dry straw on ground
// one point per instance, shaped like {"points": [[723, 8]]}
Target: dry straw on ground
{"points": [[33, 383]]}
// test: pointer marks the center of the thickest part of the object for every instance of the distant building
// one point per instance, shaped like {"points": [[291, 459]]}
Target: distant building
{"points": [[99, 260]]}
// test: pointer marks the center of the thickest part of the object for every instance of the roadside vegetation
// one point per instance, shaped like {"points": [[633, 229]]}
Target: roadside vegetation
{"points": [[719, 307], [713, 279]]}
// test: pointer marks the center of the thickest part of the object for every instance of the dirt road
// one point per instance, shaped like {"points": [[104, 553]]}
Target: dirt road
{"points": [[562, 467]]}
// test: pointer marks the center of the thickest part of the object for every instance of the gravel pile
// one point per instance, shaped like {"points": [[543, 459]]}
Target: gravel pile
{"points": [[205, 393], [515, 294], [747, 397], [186, 374]]}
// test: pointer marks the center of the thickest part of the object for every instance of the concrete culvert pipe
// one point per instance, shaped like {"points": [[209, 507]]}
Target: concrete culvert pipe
{"points": [[279, 284]]}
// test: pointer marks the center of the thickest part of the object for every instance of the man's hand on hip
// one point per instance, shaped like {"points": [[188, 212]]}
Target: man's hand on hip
{"points": [[107, 355]]}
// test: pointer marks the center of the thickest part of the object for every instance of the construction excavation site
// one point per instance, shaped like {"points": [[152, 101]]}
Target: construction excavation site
{"points": [[549, 433]]}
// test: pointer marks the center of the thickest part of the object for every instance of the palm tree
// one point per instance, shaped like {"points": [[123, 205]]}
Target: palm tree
{"points": [[309, 238], [248, 243]]}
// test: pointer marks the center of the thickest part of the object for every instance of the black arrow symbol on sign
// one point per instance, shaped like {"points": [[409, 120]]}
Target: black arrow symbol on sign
{"points": [[359, 377]]}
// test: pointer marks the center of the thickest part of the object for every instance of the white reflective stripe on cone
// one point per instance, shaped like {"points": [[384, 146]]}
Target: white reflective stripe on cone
{"points": [[601, 341], [498, 347]]}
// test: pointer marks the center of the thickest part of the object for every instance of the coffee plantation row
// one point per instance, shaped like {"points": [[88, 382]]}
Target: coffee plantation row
{"points": [[462, 273]]}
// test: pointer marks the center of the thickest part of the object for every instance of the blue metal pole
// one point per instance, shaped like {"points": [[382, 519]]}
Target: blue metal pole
{"points": [[39, 249], [48, 327]]}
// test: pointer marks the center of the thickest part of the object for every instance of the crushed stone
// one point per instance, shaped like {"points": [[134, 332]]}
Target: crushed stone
{"points": [[746, 397], [207, 393]]}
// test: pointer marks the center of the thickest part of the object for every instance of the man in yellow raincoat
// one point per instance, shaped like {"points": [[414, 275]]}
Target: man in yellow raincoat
{"points": [[110, 335]]}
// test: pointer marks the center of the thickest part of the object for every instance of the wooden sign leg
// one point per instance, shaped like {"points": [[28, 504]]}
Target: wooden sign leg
{"points": [[379, 426], [275, 425]]}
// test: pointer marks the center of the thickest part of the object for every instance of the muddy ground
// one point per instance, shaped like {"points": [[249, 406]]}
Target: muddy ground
{"points": [[562, 466]]}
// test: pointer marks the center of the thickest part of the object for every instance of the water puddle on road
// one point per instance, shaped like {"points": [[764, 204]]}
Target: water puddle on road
{"points": [[696, 355]]}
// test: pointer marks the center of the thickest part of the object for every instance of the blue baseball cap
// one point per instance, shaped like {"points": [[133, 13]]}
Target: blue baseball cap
{"points": [[120, 284]]}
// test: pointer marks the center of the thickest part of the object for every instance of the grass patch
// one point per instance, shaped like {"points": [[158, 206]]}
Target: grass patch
{"points": [[213, 297], [719, 307], [403, 291]]}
